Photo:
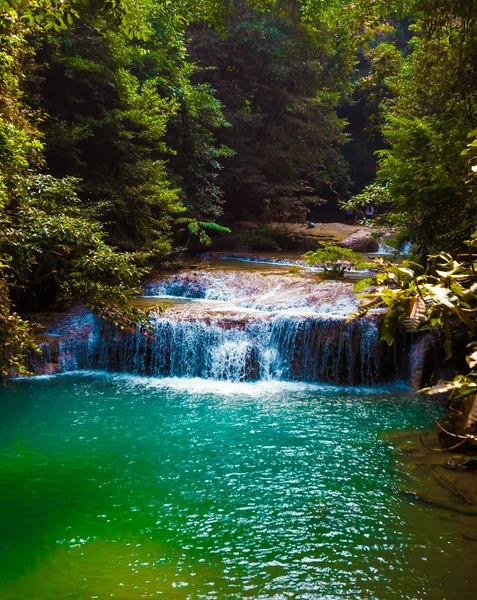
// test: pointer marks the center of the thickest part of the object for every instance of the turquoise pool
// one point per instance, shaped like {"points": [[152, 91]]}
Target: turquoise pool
{"points": [[126, 487]]}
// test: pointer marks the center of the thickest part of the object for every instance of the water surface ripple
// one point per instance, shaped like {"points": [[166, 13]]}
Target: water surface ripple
{"points": [[128, 487]]}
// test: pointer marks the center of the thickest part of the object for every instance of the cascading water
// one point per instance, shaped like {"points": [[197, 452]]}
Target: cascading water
{"points": [[385, 249], [249, 327], [324, 349]]}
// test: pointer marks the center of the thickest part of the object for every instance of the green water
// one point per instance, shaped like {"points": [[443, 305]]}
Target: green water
{"points": [[121, 487]]}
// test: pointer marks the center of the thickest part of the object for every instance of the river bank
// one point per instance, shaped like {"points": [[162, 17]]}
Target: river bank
{"points": [[298, 237]]}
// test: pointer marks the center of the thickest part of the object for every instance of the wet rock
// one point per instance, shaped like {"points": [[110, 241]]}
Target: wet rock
{"points": [[454, 422], [265, 291], [362, 240], [463, 486], [422, 360], [461, 462]]}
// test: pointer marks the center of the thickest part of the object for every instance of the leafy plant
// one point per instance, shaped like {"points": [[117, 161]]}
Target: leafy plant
{"points": [[16, 337], [427, 105], [285, 132], [199, 229], [442, 298], [335, 260]]}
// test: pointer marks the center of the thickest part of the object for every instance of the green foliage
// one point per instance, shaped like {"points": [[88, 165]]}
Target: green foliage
{"points": [[51, 246], [279, 83], [131, 124], [425, 88], [19, 148], [53, 251], [196, 155], [375, 194], [199, 229], [335, 260], [362, 284], [16, 337], [442, 298], [109, 131]]}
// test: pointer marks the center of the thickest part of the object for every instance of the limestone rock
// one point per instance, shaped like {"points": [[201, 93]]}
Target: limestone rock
{"points": [[361, 241]]}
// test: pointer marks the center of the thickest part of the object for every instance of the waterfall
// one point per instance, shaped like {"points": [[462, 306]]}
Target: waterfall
{"points": [[327, 349], [386, 249], [248, 327], [220, 349], [295, 347]]}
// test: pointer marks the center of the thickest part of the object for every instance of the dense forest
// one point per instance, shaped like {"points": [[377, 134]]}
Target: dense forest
{"points": [[129, 127]]}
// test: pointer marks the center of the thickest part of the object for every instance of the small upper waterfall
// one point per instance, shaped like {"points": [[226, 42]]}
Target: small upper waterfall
{"points": [[241, 326], [386, 249]]}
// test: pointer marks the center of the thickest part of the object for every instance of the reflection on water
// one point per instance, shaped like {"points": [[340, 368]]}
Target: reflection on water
{"points": [[128, 487]]}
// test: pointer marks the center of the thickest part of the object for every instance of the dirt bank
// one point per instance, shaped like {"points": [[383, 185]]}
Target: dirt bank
{"points": [[295, 236]]}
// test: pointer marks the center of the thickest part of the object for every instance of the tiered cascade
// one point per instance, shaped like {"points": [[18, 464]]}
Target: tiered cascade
{"points": [[247, 326]]}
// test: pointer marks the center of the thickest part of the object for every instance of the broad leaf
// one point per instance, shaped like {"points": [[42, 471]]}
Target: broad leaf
{"points": [[388, 328], [416, 316], [361, 285]]}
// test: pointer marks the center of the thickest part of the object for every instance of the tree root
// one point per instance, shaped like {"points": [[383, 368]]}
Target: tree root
{"points": [[441, 449], [468, 436]]}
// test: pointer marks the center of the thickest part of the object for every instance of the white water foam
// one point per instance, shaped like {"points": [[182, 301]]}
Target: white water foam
{"points": [[245, 292], [201, 386]]}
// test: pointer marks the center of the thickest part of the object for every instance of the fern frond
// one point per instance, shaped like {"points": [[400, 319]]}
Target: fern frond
{"points": [[214, 226]]}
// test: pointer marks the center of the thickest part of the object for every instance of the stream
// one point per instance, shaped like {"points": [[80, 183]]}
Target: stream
{"points": [[235, 448]]}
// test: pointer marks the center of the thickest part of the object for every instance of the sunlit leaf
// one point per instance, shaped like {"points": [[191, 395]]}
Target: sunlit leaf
{"points": [[361, 285], [416, 315], [472, 359]]}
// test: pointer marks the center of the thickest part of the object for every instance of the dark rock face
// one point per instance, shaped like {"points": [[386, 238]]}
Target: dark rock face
{"points": [[423, 360], [46, 361]]}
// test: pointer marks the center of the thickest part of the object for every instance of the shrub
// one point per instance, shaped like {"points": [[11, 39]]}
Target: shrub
{"points": [[335, 260]]}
